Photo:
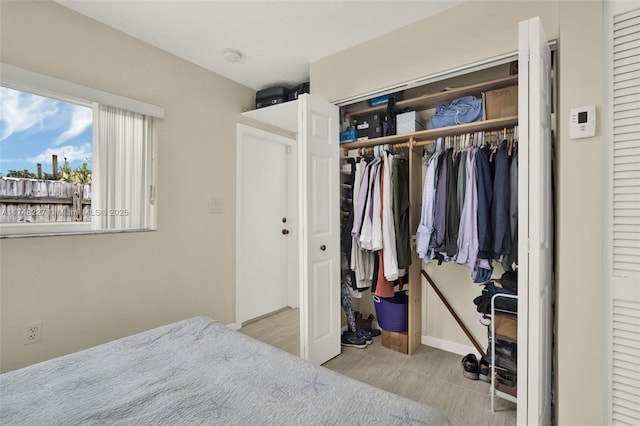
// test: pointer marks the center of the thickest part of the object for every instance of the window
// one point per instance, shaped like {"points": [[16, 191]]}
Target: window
{"points": [[45, 159], [73, 164]]}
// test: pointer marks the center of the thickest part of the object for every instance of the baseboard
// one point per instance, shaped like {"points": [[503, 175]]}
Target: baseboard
{"points": [[447, 345], [234, 326]]}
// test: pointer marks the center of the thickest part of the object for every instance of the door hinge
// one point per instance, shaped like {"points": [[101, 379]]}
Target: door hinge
{"points": [[288, 149]]}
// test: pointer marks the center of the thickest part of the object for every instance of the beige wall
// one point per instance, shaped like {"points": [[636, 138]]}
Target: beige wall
{"points": [[91, 289], [470, 33], [579, 230]]}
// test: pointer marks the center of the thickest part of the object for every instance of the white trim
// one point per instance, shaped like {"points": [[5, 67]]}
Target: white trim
{"points": [[449, 346], [43, 228], [432, 78], [607, 228], [234, 326], [20, 78]]}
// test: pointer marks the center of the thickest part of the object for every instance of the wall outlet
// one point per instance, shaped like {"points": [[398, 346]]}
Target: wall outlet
{"points": [[32, 332]]}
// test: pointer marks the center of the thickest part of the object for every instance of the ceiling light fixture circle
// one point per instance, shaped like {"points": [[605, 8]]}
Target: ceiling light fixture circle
{"points": [[232, 55]]}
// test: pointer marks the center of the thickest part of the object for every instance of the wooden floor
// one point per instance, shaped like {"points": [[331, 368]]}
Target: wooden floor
{"points": [[429, 376]]}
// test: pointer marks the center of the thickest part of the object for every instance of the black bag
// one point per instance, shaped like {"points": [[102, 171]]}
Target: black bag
{"points": [[271, 96], [389, 119], [509, 280], [299, 90], [483, 302]]}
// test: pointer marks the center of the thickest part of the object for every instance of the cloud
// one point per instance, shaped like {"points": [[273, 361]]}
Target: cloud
{"points": [[22, 111], [72, 153], [81, 118]]}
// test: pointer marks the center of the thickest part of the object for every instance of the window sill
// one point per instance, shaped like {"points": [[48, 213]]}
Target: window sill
{"points": [[73, 233]]}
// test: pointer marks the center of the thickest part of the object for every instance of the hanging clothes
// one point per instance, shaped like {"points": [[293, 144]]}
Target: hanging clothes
{"points": [[425, 228], [452, 222], [468, 231], [438, 238], [370, 233], [500, 219], [391, 272], [485, 196], [400, 182], [362, 262]]}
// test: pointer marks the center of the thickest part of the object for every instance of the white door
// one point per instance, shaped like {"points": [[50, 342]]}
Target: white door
{"points": [[263, 261], [621, 136], [535, 225], [319, 229]]}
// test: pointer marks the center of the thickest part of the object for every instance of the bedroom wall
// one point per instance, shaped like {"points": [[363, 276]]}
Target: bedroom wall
{"points": [[91, 289], [472, 32]]}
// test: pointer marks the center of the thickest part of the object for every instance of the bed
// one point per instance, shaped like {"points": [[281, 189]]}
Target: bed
{"points": [[196, 372]]}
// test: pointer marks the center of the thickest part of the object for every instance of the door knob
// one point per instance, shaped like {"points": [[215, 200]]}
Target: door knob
{"points": [[323, 247], [285, 231]]}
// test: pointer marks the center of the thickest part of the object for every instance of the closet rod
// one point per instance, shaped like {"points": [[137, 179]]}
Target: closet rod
{"points": [[452, 312], [509, 130]]}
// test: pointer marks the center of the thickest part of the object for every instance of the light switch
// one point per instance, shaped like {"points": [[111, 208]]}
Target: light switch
{"points": [[215, 206]]}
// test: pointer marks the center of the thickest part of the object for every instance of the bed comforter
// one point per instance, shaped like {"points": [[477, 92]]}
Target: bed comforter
{"points": [[196, 372]]}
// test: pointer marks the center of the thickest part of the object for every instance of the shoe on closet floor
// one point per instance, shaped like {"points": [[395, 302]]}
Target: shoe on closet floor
{"points": [[349, 338], [484, 370], [375, 332], [470, 367], [366, 335]]}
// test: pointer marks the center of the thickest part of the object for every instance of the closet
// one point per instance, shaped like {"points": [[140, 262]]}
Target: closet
{"points": [[534, 206], [414, 144]]}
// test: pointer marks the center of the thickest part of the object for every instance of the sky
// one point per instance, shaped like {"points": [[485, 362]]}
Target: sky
{"points": [[32, 128]]}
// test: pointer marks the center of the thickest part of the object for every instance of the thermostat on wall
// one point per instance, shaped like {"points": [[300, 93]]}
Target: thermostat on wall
{"points": [[583, 122]]}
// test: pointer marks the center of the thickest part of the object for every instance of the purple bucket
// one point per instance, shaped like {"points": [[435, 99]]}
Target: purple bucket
{"points": [[393, 312]]}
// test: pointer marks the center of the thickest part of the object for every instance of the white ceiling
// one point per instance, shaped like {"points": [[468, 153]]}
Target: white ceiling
{"points": [[278, 39]]}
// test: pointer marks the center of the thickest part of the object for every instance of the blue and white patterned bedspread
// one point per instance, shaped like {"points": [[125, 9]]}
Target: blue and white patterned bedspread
{"points": [[196, 372]]}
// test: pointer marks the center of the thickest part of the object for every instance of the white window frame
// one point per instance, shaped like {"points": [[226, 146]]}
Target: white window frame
{"points": [[28, 81]]}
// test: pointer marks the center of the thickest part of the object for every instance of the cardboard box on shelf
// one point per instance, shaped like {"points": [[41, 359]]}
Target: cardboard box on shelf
{"points": [[397, 341], [501, 102], [506, 325]]}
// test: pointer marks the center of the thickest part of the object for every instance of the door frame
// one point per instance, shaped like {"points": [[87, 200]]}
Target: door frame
{"points": [[293, 289]]}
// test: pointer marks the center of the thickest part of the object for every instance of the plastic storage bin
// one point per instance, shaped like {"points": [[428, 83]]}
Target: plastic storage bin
{"points": [[393, 312]]}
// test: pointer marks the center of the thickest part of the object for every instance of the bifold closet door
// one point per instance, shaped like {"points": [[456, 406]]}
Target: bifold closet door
{"points": [[319, 162], [534, 226], [621, 263]]}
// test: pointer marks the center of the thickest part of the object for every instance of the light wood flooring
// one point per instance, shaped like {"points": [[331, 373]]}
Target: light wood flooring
{"points": [[430, 376]]}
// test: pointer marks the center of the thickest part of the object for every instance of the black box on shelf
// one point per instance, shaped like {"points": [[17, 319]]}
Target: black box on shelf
{"points": [[368, 126], [271, 96]]}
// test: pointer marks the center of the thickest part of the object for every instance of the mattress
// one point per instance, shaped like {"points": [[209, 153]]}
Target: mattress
{"points": [[196, 372]]}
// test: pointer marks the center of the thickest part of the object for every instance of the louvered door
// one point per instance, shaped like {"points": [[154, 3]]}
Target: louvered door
{"points": [[621, 135]]}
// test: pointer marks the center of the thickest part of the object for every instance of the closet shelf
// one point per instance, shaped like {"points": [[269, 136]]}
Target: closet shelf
{"points": [[431, 134], [432, 100]]}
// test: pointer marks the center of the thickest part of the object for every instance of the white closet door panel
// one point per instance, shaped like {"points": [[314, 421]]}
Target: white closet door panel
{"points": [[534, 226], [320, 227], [622, 212]]}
